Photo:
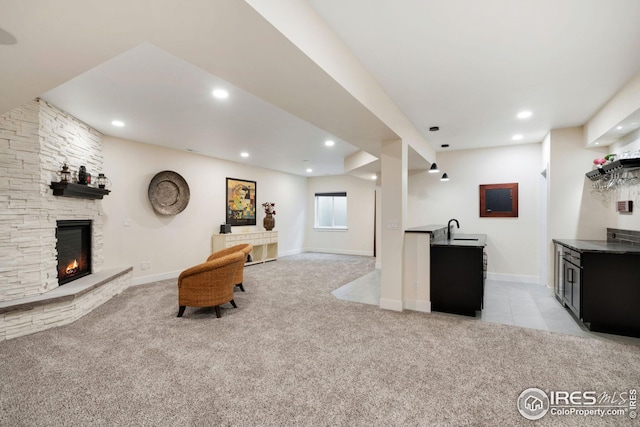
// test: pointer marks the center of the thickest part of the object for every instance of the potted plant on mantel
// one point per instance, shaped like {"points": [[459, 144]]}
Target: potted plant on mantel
{"points": [[270, 210]]}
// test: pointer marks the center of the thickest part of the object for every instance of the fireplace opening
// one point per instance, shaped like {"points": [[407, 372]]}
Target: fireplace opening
{"points": [[74, 250]]}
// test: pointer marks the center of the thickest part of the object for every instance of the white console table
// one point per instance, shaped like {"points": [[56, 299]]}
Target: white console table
{"points": [[265, 244]]}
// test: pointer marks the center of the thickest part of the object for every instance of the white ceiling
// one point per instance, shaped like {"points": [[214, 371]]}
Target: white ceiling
{"points": [[470, 66], [467, 66], [166, 101]]}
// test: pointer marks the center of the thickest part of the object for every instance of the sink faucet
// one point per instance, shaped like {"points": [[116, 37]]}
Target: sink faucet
{"points": [[449, 227]]}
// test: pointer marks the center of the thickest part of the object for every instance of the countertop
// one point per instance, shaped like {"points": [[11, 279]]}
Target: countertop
{"points": [[459, 240], [425, 229], [601, 246]]}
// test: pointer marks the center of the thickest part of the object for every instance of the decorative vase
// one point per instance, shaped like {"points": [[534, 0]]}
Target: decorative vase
{"points": [[269, 222]]}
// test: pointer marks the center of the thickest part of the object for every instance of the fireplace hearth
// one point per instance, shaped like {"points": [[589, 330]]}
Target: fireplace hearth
{"points": [[74, 250]]}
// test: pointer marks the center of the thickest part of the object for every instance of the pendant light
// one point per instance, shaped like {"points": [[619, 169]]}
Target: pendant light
{"points": [[434, 166]]}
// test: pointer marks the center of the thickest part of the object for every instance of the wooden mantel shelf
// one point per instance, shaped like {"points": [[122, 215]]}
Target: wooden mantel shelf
{"points": [[69, 189]]}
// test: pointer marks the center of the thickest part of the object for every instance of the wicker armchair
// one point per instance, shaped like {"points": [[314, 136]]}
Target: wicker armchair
{"points": [[246, 248], [209, 284]]}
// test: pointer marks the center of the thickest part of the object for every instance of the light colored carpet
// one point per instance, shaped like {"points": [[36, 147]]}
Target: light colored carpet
{"points": [[292, 354]]}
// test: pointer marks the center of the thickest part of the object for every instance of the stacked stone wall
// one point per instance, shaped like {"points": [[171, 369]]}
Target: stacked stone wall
{"points": [[35, 140]]}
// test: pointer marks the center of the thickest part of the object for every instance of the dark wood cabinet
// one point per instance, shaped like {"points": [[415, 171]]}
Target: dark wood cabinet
{"points": [[601, 286], [611, 292], [457, 279], [572, 276]]}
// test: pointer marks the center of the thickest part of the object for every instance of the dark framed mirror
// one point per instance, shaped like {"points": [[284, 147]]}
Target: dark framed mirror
{"points": [[499, 200]]}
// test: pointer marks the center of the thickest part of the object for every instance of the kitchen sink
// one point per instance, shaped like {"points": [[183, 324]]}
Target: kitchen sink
{"points": [[465, 238]]}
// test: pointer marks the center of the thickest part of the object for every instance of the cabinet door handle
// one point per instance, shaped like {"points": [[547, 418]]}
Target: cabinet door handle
{"points": [[570, 278]]}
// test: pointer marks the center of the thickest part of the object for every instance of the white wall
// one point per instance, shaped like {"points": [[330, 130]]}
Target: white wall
{"points": [[574, 213], [627, 221], [546, 248], [358, 239], [622, 105], [512, 243], [173, 243]]}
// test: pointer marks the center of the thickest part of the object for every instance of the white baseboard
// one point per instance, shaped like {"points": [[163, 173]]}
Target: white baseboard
{"points": [[155, 277], [418, 305], [391, 304], [291, 252], [514, 278], [339, 251]]}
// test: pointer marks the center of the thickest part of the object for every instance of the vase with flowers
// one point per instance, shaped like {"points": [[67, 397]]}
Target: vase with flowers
{"points": [[269, 211]]}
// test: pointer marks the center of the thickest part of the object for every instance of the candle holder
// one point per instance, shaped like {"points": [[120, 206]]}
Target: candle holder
{"points": [[65, 173], [103, 181]]}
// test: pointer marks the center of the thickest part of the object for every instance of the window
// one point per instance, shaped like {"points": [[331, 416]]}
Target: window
{"points": [[331, 210]]}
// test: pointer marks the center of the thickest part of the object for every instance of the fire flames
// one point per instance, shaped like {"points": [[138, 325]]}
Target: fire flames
{"points": [[72, 268]]}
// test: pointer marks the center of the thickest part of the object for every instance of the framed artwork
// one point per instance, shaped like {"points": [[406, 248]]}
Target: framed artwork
{"points": [[241, 202], [499, 200]]}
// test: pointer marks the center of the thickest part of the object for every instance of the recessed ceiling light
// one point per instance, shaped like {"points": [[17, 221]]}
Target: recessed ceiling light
{"points": [[309, 170], [445, 146], [434, 129], [619, 127], [524, 114], [597, 143], [329, 143], [374, 177], [118, 123], [517, 137], [244, 154], [220, 93]]}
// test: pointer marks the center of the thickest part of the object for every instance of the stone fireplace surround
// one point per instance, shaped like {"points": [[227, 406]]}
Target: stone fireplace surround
{"points": [[35, 140]]}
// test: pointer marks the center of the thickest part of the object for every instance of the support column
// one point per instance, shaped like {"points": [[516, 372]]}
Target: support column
{"points": [[394, 161]]}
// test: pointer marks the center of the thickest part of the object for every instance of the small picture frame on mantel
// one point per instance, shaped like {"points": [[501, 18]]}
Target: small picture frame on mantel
{"points": [[499, 200]]}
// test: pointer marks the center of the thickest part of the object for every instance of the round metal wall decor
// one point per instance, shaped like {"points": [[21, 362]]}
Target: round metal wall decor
{"points": [[168, 193]]}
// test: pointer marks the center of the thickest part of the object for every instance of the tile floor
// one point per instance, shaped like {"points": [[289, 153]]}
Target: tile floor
{"points": [[518, 304]]}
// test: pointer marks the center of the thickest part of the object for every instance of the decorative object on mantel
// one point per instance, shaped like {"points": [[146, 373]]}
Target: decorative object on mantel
{"points": [[84, 178], [168, 193], [65, 173], [103, 181], [269, 221]]}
